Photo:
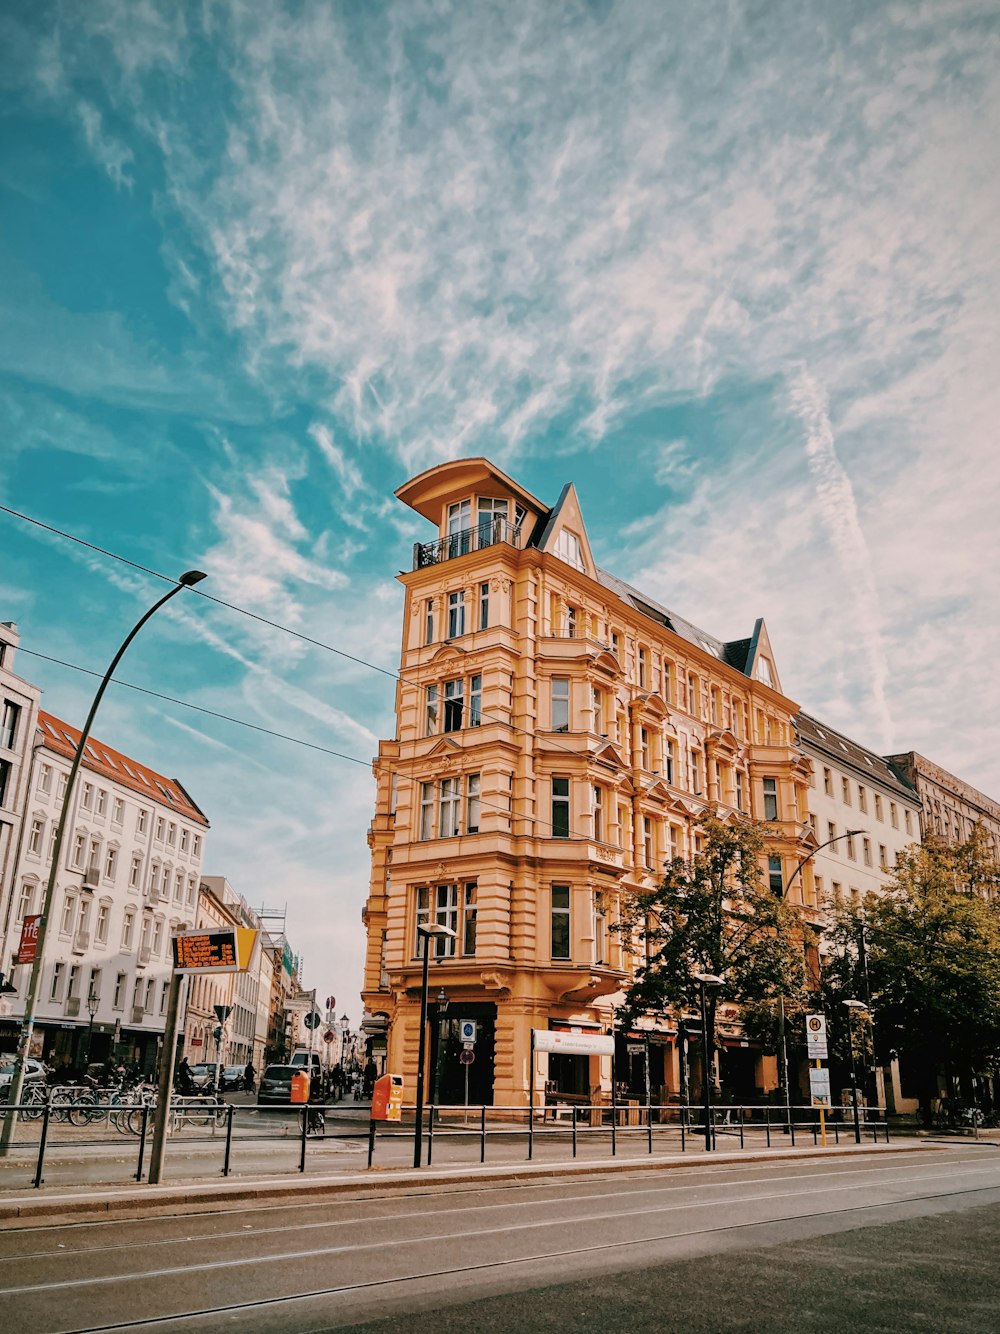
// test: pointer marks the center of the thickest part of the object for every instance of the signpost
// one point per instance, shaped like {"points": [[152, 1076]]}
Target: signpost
{"points": [[28, 947], [819, 1078]]}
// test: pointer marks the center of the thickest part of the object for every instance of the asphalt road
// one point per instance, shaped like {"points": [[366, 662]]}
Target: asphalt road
{"points": [[709, 1246]]}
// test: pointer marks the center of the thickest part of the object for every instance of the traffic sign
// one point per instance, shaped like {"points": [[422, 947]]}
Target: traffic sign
{"points": [[328, 1036], [331, 1002], [222, 1012], [467, 1031], [466, 1056], [819, 1086], [816, 1037], [313, 1020]]}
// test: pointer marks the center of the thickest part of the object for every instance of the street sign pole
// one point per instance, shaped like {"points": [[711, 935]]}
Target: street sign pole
{"points": [[162, 1120]]}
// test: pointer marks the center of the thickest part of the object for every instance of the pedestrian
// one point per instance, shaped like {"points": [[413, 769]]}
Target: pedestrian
{"points": [[337, 1081], [371, 1074], [249, 1078]]}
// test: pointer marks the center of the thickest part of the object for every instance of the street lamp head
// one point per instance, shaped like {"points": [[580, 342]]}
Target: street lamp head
{"points": [[709, 979], [191, 577], [443, 1001], [435, 929], [854, 1004], [854, 833]]}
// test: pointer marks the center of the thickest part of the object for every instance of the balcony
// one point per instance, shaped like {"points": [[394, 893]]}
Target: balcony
{"points": [[492, 532]]}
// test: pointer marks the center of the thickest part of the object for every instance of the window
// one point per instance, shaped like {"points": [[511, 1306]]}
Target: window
{"points": [[137, 995], [571, 622], [196, 847], [878, 807], [429, 621], [560, 808], [598, 698], [179, 887], [893, 815], [560, 704], [79, 850], [469, 921], [644, 753], [55, 991], [141, 817], [110, 863], [770, 799], [845, 791], [61, 785], [569, 549], [101, 929], [454, 705], [484, 606], [192, 885], [692, 694], [600, 928], [185, 839], [431, 713], [831, 831], [867, 851], [448, 816], [426, 810], [472, 804], [157, 935], [597, 809], [27, 896], [87, 800], [560, 922], [120, 980], [862, 799], [128, 928], [475, 700], [883, 857], [171, 835], [616, 645], [45, 778], [459, 525], [740, 795], [828, 782], [74, 981], [908, 821], [456, 614], [849, 840], [696, 771], [643, 669], [164, 993], [8, 724], [764, 671], [68, 913], [117, 811], [775, 881], [101, 802], [669, 759], [35, 837], [135, 871], [647, 841], [491, 516], [668, 682]]}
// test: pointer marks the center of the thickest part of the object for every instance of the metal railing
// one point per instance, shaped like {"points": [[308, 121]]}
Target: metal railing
{"points": [[490, 533]]}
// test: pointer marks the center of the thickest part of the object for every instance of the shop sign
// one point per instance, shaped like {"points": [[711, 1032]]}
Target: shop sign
{"points": [[573, 1044]]}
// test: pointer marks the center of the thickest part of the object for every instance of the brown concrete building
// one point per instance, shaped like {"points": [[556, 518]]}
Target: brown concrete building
{"points": [[950, 808], [558, 734]]}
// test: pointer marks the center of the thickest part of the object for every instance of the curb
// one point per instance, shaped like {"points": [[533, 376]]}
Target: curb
{"points": [[151, 1201]]}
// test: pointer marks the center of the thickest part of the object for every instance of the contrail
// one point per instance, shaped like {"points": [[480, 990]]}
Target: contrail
{"points": [[840, 517]]}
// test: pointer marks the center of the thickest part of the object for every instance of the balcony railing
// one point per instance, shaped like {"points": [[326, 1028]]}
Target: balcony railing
{"points": [[489, 533]]}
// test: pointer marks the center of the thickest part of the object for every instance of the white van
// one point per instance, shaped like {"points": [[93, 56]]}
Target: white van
{"points": [[308, 1061]]}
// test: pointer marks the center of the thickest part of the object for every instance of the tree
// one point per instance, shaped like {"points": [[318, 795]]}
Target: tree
{"points": [[928, 953], [712, 914]]}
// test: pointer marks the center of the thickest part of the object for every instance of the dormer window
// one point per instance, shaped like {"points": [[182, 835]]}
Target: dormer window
{"points": [[568, 549], [491, 520]]}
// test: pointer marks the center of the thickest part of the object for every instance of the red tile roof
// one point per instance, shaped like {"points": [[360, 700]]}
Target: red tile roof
{"points": [[102, 759]]}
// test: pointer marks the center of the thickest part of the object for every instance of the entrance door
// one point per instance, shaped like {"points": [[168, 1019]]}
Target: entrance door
{"points": [[448, 1072]]}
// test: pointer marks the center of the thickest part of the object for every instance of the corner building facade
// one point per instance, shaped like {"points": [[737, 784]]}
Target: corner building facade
{"points": [[558, 734]]}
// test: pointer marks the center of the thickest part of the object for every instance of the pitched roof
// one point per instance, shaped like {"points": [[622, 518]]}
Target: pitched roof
{"points": [[843, 750], [109, 763]]}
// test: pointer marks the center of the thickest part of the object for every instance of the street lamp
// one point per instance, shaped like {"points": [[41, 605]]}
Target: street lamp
{"points": [[848, 833], [345, 1028], [93, 1004], [851, 1006], [187, 580], [424, 932], [442, 1001], [707, 980]]}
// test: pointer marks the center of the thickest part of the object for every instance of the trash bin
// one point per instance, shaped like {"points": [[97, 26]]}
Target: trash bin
{"points": [[300, 1087]]}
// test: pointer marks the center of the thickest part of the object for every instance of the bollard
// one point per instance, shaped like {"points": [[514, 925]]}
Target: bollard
{"points": [[41, 1145], [142, 1140], [305, 1132], [229, 1139], [482, 1134], [430, 1134], [649, 1125]]}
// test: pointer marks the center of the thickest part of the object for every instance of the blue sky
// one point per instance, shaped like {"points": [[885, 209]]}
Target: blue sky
{"points": [[729, 268]]}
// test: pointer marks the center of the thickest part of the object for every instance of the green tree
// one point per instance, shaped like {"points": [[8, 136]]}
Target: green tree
{"points": [[712, 914], [927, 951]]}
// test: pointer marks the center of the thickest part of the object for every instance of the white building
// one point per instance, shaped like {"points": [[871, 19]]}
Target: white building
{"points": [[18, 715], [131, 867]]}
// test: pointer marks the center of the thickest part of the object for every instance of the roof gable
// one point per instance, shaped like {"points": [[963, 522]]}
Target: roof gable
{"points": [[565, 535]]}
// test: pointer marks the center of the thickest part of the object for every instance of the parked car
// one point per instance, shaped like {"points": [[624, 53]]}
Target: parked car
{"points": [[232, 1076], [276, 1084], [204, 1076], [34, 1073]]}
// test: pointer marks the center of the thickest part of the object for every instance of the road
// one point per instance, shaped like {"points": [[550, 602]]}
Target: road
{"points": [[631, 1249]]}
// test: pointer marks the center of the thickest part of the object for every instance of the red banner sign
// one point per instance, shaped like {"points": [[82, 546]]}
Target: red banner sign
{"points": [[28, 947]]}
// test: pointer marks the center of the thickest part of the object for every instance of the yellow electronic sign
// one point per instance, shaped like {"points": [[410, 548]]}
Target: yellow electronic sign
{"points": [[225, 950]]}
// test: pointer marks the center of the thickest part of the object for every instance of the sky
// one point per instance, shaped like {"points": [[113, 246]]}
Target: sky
{"points": [[730, 268]]}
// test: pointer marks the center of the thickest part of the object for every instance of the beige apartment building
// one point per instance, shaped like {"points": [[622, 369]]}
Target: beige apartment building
{"points": [[558, 733], [950, 807]]}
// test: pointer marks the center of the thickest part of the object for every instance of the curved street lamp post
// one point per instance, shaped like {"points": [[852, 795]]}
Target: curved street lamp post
{"points": [[187, 580], [851, 1006], [424, 933]]}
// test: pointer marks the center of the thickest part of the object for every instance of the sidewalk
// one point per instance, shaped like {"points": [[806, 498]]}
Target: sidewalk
{"points": [[85, 1204]]}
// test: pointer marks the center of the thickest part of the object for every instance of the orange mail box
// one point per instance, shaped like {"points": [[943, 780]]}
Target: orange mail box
{"points": [[300, 1087], [387, 1098]]}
